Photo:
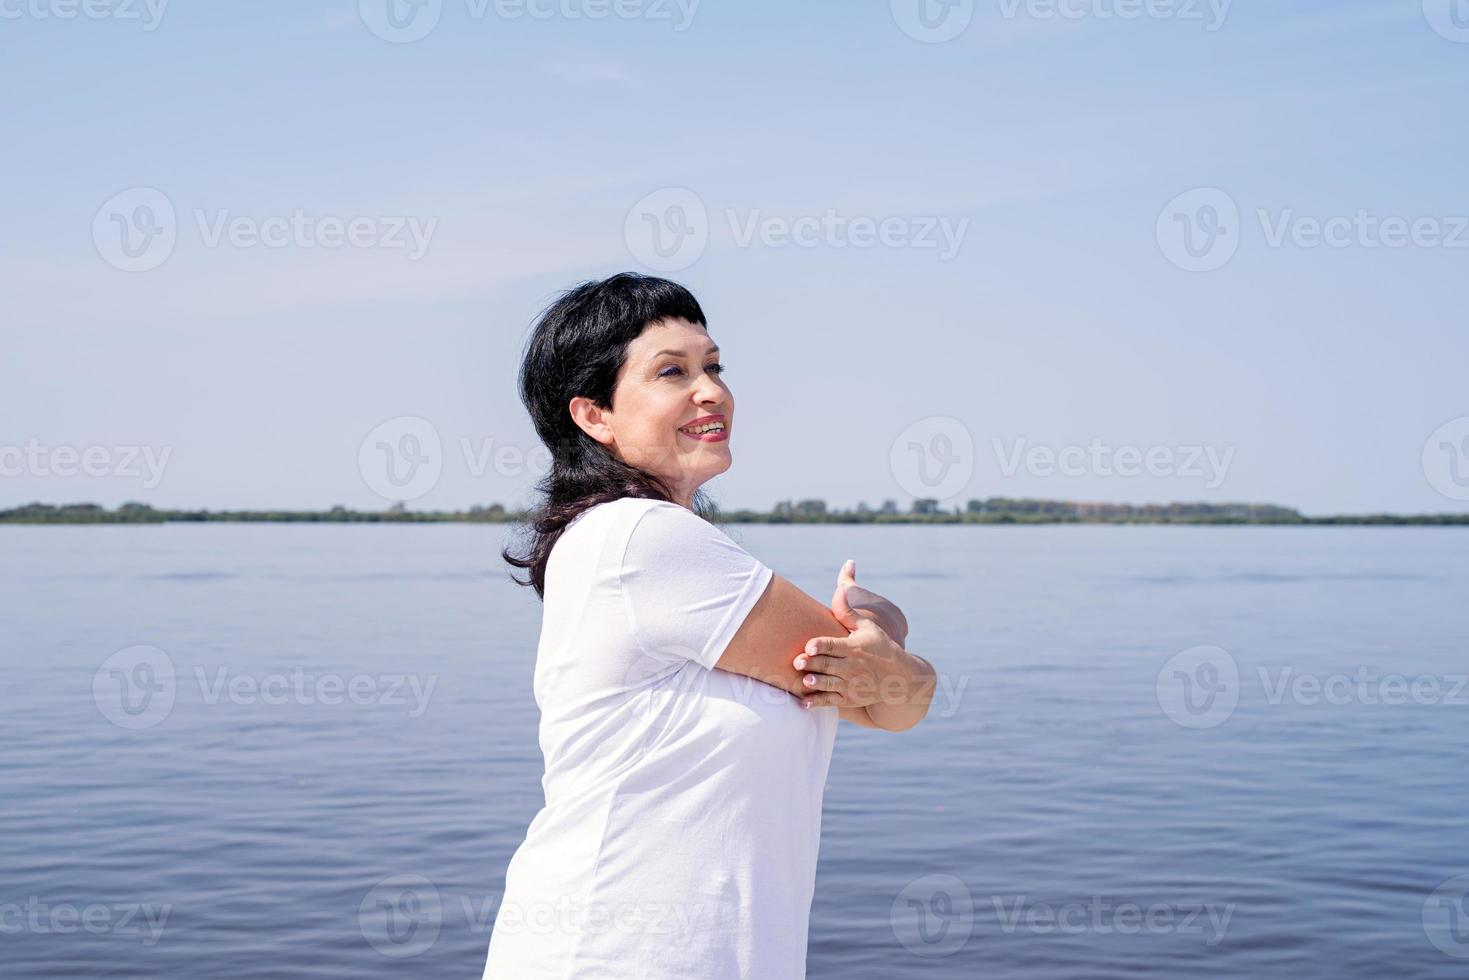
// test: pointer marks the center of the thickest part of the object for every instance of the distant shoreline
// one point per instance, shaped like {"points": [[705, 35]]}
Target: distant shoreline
{"points": [[996, 510]]}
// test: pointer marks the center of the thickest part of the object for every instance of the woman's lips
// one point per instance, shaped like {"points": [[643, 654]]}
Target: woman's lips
{"points": [[719, 436]]}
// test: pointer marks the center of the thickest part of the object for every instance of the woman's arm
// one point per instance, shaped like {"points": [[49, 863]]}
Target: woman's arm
{"points": [[774, 637], [773, 634]]}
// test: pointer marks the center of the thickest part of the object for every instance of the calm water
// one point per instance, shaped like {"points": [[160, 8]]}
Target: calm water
{"points": [[332, 780]]}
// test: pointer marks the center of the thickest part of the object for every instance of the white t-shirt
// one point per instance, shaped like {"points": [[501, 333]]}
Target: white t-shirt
{"points": [[683, 803]]}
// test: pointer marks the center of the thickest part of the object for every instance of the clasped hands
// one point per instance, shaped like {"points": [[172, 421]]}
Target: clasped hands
{"points": [[868, 665]]}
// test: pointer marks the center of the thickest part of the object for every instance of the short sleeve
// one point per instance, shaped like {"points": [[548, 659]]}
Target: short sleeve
{"points": [[686, 586]]}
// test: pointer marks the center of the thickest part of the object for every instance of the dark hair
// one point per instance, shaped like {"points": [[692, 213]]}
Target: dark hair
{"points": [[577, 348]]}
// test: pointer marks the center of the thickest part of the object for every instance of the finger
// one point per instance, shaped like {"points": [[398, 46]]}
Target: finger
{"points": [[846, 576], [843, 581], [820, 665], [843, 611], [826, 646], [821, 700], [822, 682]]}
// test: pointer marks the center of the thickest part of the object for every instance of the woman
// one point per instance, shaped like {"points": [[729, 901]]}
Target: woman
{"points": [[689, 696]]}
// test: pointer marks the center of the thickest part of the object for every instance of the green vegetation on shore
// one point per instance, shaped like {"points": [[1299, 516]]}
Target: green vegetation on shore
{"points": [[995, 510]]}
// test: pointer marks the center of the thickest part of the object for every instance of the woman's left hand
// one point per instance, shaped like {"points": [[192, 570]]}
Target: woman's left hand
{"points": [[868, 604], [865, 667]]}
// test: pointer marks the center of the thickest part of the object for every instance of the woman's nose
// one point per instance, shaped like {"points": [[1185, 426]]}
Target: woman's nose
{"points": [[710, 392]]}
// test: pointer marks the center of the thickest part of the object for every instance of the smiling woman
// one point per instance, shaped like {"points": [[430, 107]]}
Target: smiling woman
{"points": [[590, 370], [685, 688], [672, 370]]}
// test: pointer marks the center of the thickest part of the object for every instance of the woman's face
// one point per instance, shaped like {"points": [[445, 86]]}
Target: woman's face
{"points": [[669, 380]]}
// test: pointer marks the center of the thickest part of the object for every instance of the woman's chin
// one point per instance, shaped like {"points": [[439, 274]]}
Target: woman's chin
{"points": [[710, 472]]}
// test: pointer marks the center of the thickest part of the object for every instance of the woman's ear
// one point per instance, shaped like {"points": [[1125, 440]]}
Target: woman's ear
{"points": [[591, 419]]}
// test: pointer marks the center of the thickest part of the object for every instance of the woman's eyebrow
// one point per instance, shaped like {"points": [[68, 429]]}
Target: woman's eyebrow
{"points": [[679, 353]]}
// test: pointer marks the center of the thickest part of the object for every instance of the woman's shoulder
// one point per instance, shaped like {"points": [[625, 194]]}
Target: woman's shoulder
{"points": [[650, 523], [600, 533], [613, 517], [622, 507]]}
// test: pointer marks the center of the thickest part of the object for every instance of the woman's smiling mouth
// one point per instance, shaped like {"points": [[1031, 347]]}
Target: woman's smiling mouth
{"points": [[710, 428]]}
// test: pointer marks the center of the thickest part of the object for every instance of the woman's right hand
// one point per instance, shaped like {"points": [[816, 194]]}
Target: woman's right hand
{"points": [[868, 604]]}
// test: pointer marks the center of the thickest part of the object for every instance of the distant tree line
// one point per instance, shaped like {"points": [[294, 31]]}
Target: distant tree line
{"points": [[995, 510]]}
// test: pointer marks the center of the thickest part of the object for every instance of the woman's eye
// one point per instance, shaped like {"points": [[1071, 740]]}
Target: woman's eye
{"points": [[716, 368]]}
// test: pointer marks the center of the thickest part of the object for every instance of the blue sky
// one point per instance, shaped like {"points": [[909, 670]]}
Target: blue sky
{"points": [[1071, 155]]}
